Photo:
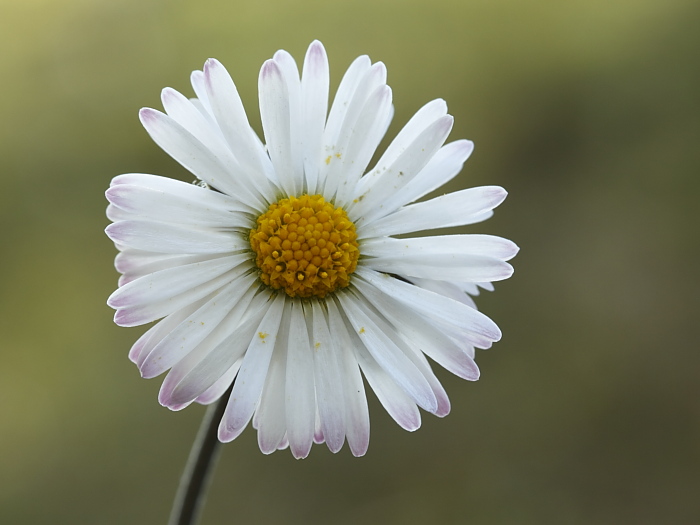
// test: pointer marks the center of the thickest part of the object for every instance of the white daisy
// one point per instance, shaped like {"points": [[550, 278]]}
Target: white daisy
{"points": [[279, 272]]}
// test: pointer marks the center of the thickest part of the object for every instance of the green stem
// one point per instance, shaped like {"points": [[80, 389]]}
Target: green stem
{"points": [[194, 482]]}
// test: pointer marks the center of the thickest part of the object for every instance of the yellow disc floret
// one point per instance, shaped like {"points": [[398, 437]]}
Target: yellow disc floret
{"points": [[305, 246]]}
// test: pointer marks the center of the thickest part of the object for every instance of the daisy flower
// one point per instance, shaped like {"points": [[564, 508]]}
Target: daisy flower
{"points": [[280, 271]]}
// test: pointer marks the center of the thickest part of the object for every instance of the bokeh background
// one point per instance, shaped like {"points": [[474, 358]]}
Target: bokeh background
{"points": [[587, 411]]}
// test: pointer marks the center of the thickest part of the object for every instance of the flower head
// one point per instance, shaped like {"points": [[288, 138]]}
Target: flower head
{"points": [[280, 273]]}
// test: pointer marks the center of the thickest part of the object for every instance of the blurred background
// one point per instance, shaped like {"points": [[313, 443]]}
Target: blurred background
{"points": [[588, 410]]}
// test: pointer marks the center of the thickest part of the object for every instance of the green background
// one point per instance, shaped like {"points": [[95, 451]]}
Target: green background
{"points": [[588, 411]]}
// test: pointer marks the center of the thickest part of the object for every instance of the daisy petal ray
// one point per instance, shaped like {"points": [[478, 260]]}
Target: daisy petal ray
{"points": [[291, 269]]}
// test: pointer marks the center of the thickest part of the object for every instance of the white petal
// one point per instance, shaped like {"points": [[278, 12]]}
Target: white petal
{"points": [[414, 353], [448, 289], [389, 119], [192, 331], [443, 167], [485, 286], [270, 415], [140, 343], [206, 114], [395, 401], [167, 283], [379, 198], [182, 190], [194, 375], [458, 267], [184, 112], [228, 109], [207, 362], [155, 334], [454, 209], [182, 146], [336, 152], [183, 384], [481, 217], [160, 206], [329, 380], [146, 313], [114, 213], [362, 143], [423, 118], [470, 288], [200, 88], [299, 385], [356, 413], [290, 73], [138, 261], [156, 182], [276, 122], [389, 356], [467, 258], [447, 245], [251, 377], [219, 388], [413, 327], [442, 310], [343, 96], [167, 238], [314, 100], [319, 438]]}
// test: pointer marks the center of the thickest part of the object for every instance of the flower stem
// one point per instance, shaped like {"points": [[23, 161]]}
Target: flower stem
{"points": [[190, 496]]}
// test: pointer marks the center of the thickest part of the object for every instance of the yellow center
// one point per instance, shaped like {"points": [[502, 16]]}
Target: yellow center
{"points": [[305, 246]]}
